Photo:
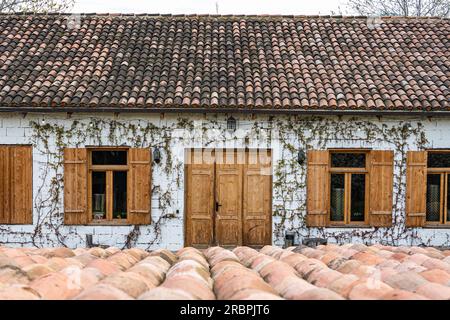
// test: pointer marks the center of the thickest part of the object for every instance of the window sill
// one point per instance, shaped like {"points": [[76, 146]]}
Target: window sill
{"points": [[109, 223], [349, 226], [437, 226]]}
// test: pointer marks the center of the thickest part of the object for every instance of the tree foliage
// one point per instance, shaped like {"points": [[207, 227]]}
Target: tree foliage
{"points": [[10, 6]]}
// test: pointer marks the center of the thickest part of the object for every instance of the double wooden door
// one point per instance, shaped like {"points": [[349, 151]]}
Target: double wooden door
{"points": [[228, 197]]}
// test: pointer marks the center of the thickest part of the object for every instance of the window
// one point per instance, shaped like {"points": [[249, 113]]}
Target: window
{"points": [[108, 175], [438, 195], [107, 186], [16, 184], [348, 187]]}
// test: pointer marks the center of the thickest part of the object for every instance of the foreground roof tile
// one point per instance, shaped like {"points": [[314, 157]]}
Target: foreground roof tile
{"points": [[369, 272]]}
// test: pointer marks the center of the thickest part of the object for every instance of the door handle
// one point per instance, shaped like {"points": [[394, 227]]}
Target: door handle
{"points": [[217, 206]]}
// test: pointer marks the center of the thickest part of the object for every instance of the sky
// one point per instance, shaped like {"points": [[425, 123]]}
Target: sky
{"points": [[300, 7]]}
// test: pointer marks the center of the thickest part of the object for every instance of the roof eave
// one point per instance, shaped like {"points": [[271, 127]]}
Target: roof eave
{"points": [[445, 113]]}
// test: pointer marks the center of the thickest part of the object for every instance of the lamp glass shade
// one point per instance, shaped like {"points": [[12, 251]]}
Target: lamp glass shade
{"points": [[301, 157], [231, 124], [156, 155]]}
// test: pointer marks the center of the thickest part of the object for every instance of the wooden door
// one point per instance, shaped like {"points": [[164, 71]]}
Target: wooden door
{"points": [[199, 200], [228, 198], [257, 199], [228, 207]]}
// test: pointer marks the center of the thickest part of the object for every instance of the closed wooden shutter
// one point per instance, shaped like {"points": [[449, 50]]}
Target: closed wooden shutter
{"points": [[139, 190], [416, 188], [16, 186], [21, 185], [381, 187], [75, 186], [4, 185], [317, 188]]}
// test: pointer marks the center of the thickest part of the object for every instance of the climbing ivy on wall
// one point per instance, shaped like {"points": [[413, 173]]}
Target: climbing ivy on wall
{"points": [[50, 139], [321, 133], [284, 134]]}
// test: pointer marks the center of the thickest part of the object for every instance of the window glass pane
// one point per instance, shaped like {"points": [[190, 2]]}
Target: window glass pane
{"points": [[439, 160], [109, 157], [119, 194], [99, 195], [337, 197], [433, 197], [348, 160], [358, 203]]}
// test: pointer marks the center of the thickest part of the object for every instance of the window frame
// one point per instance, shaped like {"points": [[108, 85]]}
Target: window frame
{"points": [[347, 171], [444, 173], [109, 170]]}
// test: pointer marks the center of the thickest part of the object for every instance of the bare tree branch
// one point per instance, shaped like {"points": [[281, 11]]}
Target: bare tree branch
{"points": [[414, 8], [10, 6]]}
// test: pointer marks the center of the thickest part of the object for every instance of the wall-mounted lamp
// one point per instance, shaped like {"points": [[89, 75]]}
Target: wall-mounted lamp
{"points": [[156, 155], [301, 157], [231, 124]]}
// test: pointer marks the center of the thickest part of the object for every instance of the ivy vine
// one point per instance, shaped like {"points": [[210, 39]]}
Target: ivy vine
{"points": [[286, 134]]}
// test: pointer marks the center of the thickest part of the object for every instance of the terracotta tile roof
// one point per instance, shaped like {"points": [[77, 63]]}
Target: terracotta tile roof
{"points": [[224, 62], [350, 271]]}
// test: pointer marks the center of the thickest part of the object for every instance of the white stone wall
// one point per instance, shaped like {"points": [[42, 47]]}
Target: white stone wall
{"points": [[284, 135]]}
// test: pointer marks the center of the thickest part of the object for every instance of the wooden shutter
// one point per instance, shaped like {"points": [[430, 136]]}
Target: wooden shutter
{"points": [[416, 188], [4, 185], [381, 187], [317, 188], [16, 186], [21, 164], [75, 186], [139, 190], [257, 200], [199, 200]]}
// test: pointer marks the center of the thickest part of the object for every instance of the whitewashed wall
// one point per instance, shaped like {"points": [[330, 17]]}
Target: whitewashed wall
{"points": [[284, 135]]}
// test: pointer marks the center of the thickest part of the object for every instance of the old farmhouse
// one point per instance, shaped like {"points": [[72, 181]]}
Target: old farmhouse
{"points": [[168, 131]]}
